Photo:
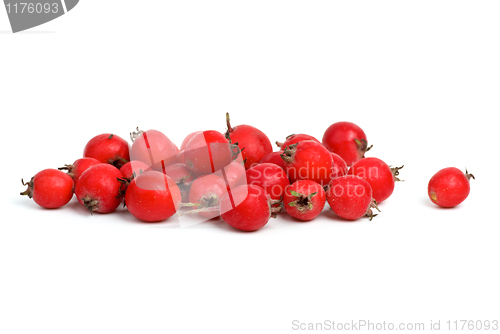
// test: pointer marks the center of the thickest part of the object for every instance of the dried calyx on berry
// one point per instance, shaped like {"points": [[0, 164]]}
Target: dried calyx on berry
{"points": [[90, 203], [469, 175], [289, 152], [395, 172], [363, 146], [275, 207], [279, 144], [29, 191], [369, 212], [303, 202], [253, 143], [135, 134]]}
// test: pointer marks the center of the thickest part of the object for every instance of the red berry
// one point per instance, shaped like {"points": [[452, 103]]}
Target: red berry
{"points": [[449, 187], [379, 175], [339, 167], [187, 139], [350, 197], [207, 152], [270, 177], [246, 208], [347, 140], [108, 148], [235, 174], [152, 196], [252, 142], [183, 177], [153, 148], [304, 199], [308, 160], [98, 188], [294, 139], [134, 167], [79, 166], [274, 158], [207, 191], [50, 188]]}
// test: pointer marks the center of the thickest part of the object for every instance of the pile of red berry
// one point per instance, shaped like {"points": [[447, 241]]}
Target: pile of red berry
{"points": [[235, 175]]}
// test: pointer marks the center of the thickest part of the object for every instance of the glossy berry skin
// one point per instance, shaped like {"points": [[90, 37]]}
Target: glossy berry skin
{"points": [[187, 139], [50, 188], [449, 187], [251, 210], [133, 167], [207, 190], [152, 197], [347, 140], [304, 200], [270, 177], [308, 160], [378, 174], [154, 149], [183, 177], [79, 166], [235, 174], [339, 167], [98, 188], [295, 138], [108, 148], [207, 152], [253, 142], [350, 197], [274, 158]]}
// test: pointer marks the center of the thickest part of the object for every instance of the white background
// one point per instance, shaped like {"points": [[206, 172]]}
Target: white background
{"points": [[421, 78]]}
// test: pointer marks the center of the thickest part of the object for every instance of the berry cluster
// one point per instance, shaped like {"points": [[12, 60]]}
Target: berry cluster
{"points": [[235, 175]]}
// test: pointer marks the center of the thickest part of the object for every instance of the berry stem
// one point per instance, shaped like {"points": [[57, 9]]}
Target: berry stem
{"points": [[28, 192], [395, 172], [191, 212], [469, 175], [189, 204], [135, 134], [229, 128]]}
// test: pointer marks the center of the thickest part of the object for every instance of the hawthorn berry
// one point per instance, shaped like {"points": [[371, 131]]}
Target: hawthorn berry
{"points": [[294, 139], [350, 197], [99, 188], [347, 140], [253, 143], [304, 199], [449, 187], [133, 168], [152, 197], [50, 188], [153, 148], [79, 166], [187, 139], [270, 177], [207, 152], [247, 208], [274, 158], [108, 148], [379, 175], [308, 160]]}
